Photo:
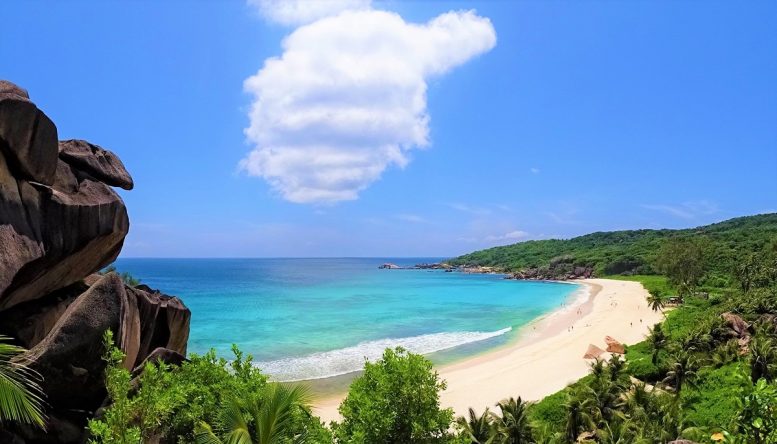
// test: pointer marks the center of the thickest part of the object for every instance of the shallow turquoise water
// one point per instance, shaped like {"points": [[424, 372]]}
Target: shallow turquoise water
{"points": [[312, 318]]}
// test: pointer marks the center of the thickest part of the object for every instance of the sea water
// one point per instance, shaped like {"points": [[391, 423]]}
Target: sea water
{"points": [[317, 318]]}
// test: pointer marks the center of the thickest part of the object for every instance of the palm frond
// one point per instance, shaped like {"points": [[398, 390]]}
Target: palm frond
{"points": [[203, 434], [21, 398]]}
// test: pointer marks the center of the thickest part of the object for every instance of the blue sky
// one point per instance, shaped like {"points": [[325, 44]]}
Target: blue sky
{"points": [[545, 119]]}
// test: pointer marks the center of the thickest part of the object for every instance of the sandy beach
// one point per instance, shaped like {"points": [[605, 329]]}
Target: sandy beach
{"points": [[547, 355]]}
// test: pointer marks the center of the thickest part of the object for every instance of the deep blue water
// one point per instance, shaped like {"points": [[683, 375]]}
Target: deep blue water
{"points": [[311, 318]]}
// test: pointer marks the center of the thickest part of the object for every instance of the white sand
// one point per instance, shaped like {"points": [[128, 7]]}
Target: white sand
{"points": [[548, 355]]}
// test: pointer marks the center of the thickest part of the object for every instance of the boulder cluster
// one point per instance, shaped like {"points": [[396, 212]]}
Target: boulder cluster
{"points": [[554, 273], [60, 224]]}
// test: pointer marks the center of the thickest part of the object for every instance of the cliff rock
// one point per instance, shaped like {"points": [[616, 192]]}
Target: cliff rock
{"points": [[61, 223]]}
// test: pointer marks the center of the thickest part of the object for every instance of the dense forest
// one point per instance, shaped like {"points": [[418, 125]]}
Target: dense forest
{"points": [[630, 251]]}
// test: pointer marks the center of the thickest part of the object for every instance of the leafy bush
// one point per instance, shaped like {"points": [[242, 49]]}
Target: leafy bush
{"points": [[713, 399], [395, 401], [170, 401], [640, 359]]}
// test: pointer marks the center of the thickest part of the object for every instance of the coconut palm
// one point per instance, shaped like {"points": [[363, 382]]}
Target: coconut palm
{"points": [[578, 407], [725, 353], [597, 368], [682, 371], [478, 429], [21, 399], [259, 418], [656, 301], [657, 339], [621, 432], [616, 368], [514, 426], [763, 359]]}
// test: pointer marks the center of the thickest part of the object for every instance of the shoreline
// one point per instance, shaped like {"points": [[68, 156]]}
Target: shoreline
{"points": [[330, 388], [545, 356]]}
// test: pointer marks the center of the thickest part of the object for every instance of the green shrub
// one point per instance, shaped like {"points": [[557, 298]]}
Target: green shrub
{"points": [[640, 359], [171, 401], [396, 400], [712, 401]]}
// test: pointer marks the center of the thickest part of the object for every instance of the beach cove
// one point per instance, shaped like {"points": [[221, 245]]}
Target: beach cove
{"points": [[546, 355]]}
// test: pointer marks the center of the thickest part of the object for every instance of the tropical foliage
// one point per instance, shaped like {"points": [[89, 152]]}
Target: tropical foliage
{"points": [[636, 251], [694, 377], [174, 402], [21, 399], [395, 401]]}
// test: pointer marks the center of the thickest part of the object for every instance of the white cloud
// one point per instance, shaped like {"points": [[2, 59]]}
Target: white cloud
{"points": [[464, 208], [510, 236], [686, 210], [412, 218], [534, 170], [300, 12], [347, 99]]}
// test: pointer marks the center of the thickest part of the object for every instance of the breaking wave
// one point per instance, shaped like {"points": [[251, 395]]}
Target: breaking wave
{"points": [[350, 359]]}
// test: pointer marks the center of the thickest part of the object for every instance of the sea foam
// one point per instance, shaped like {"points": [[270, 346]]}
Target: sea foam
{"points": [[351, 359]]}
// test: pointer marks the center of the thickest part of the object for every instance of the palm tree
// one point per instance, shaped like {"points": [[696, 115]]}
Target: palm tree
{"points": [[657, 339], [597, 368], [682, 371], [514, 424], [621, 432], [616, 367], [21, 398], [725, 353], [579, 419], [656, 300], [763, 359], [262, 418], [478, 429]]}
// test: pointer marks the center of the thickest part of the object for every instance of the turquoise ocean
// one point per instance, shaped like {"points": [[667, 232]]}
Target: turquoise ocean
{"points": [[317, 318]]}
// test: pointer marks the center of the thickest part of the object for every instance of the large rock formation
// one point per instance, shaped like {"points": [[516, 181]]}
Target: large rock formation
{"points": [[60, 223]]}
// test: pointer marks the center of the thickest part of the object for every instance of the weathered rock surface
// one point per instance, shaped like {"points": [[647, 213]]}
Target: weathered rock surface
{"points": [[31, 321], [593, 352], [60, 223], [613, 346], [739, 329], [161, 354], [70, 357], [27, 135], [736, 324], [53, 236], [96, 161]]}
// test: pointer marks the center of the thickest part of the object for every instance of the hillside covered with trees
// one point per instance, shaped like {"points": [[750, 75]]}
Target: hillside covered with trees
{"points": [[631, 251]]}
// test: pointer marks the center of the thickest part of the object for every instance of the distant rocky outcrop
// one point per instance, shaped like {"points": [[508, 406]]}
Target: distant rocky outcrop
{"points": [[60, 223], [554, 273], [389, 266]]}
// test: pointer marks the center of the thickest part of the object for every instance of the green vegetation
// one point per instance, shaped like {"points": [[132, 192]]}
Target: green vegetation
{"points": [[20, 396], [128, 278], [709, 369], [395, 401], [634, 251], [175, 402], [264, 417], [699, 372]]}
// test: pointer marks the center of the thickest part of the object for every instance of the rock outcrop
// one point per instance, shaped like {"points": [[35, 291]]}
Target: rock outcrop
{"points": [[738, 329], [593, 352], [613, 346], [60, 223], [554, 273]]}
